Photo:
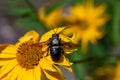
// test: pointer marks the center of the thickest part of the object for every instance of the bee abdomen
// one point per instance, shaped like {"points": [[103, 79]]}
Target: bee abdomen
{"points": [[55, 52]]}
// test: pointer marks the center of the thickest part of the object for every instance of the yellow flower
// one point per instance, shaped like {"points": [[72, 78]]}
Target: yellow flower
{"points": [[86, 22], [52, 19], [25, 60]]}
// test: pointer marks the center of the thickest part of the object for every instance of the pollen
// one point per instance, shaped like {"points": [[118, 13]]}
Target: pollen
{"points": [[29, 54]]}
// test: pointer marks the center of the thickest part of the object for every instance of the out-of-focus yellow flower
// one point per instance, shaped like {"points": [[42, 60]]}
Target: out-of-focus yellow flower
{"points": [[105, 72], [50, 19], [86, 22], [117, 72], [108, 72], [26, 61]]}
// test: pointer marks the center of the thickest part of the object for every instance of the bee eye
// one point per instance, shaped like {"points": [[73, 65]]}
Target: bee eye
{"points": [[55, 35]]}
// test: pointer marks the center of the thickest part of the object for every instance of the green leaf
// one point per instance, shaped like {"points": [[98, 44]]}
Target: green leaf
{"points": [[80, 70], [77, 55], [20, 11], [31, 23], [99, 50], [53, 6]]}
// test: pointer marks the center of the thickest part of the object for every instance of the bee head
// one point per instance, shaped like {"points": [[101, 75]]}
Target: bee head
{"points": [[55, 35]]}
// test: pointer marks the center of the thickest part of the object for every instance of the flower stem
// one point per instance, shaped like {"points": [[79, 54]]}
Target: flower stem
{"points": [[115, 24]]}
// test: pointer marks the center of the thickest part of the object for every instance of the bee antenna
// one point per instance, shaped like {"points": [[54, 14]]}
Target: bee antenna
{"points": [[54, 30]]}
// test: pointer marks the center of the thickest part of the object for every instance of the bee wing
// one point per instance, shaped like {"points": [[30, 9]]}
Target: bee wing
{"points": [[69, 47]]}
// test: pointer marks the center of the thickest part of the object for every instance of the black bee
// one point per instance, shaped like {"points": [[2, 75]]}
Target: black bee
{"points": [[56, 47]]}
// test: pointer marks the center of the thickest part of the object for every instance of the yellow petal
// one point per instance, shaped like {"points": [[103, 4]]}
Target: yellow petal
{"points": [[53, 18], [5, 61], [77, 12], [22, 75], [64, 38], [117, 71], [38, 73], [65, 63], [50, 70], [76, 37], [8, 52], [3, 46], [100, 10], [56, 75], [45, 65], [14, 73], [101, 21], [7, 68], [30, 73], [5, 55], [68, 31], [29, 35], [48, 35]]}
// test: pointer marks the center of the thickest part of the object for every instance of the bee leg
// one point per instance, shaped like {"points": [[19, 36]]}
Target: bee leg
{"points": [[62, 51]]}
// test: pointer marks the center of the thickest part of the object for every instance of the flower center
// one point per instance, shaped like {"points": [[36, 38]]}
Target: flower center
{"points": [[83, 24], [29, 54]]}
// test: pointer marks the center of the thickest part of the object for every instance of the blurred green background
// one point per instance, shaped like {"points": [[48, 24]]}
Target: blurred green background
{"points": [[101, 60]]}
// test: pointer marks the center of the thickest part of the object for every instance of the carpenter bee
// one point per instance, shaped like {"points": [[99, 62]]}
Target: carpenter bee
{"points": [[56, 47]]}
